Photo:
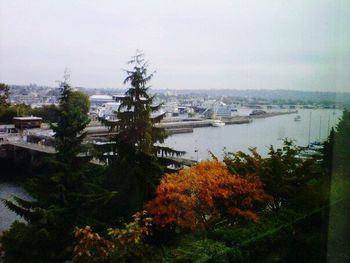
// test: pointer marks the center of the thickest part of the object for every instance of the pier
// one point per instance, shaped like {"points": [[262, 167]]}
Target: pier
{"points": [[272, 114], [104, 132], [34, 154]]}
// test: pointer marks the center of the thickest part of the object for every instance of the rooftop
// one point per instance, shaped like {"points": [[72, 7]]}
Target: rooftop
{"points": [[101, 97], [28, 118]]}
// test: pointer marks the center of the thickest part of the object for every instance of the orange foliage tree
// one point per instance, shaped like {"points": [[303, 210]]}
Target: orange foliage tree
{"points": [[91, 247], [202, 195]]}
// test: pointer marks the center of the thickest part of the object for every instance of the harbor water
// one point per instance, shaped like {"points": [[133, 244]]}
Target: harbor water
{"points": [[314, 125]]}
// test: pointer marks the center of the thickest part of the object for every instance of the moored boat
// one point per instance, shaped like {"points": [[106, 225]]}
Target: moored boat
{"points": [[297, 118], [217, 123]]}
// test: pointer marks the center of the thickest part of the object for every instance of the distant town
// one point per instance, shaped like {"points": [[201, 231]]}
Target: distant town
{"points": [[36, 96]]}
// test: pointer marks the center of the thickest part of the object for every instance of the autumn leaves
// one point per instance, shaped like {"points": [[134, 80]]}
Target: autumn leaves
{"points": [[202, 195]]}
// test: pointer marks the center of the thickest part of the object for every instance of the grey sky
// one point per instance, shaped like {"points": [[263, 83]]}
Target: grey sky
{"points": [[217, 44]]}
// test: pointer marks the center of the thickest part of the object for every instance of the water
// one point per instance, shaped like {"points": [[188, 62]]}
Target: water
{"points": [[7, 217], [260, 134]]}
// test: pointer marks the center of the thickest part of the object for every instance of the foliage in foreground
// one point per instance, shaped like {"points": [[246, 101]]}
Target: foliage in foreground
{"points": [[90, 246], [200, 196], [283, 173], [127, 243], [202, 250]]}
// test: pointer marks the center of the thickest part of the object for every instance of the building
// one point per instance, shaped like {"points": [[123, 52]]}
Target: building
{"points": [[100, 99], [27, 122]]}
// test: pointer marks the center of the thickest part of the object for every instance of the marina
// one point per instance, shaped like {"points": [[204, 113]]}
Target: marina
{"points": [[260, 133]]}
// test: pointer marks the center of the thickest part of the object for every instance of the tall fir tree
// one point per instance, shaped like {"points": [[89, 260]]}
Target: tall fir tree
{"points": [[136, 125], [138, 160]]}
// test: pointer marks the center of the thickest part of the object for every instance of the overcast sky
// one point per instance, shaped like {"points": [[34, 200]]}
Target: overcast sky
{"points": [[204, 44]]}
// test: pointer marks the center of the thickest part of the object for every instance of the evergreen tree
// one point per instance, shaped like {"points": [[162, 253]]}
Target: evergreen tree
{"points": [[69, 130], [63, 197], [336, 150], [136, 125], [4, 94], [328, 153], [138, 162]]}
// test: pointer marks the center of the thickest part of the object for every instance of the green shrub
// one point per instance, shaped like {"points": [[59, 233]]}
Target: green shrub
{"points": [[204, 250], [21, 243], [267, 238]]}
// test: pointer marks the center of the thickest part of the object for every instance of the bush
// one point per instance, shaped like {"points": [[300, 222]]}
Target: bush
{"points": [[257, 241], [205, 250], [283, 173], [122, 245], [21, 243], [130, 242], [91, 247]]}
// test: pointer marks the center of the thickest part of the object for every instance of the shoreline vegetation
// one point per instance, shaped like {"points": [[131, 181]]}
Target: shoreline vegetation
{"points": [[142, 206]]}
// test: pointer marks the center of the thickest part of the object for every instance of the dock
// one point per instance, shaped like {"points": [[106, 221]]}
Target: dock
{"points": [[31, 146], [179, 131], [237, 120], [35, 153], [272, 114], [202, 123], [185, 124], [184, 161]]}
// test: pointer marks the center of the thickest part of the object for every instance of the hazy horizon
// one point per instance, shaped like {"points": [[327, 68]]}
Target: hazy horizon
{"points": [[204, 45]]}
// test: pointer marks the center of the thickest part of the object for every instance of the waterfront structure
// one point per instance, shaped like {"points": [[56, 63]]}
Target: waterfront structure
{"points": [[105, 106], [108, 110], [224, 111], [27, 122], [97, 101], [217, 123], [257, 113]]}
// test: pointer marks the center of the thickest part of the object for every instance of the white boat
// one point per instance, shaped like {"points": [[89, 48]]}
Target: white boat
{"points": [[217, 123], [108, 110], [297, 118], [315, 146]]}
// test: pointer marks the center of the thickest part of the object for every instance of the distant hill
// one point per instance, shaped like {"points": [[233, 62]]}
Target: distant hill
{"points": [[342, 98], [295, 95]]}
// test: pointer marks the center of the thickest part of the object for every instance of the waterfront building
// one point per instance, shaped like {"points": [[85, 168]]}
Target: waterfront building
{"points": [[27, 122], [98, 100]]}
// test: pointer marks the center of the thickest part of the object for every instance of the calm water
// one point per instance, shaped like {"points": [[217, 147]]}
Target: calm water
{"points": [[6, 191], [260, 133]]}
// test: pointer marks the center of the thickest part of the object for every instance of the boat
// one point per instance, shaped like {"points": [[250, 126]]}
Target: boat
{"points": [[217, 123], [315, 146], [297, 118], [257, 113]]}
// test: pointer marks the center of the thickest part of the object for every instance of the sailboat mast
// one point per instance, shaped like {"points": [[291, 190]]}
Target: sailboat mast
{"points": [[329, 119], [310, 126], [319, 132]]}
